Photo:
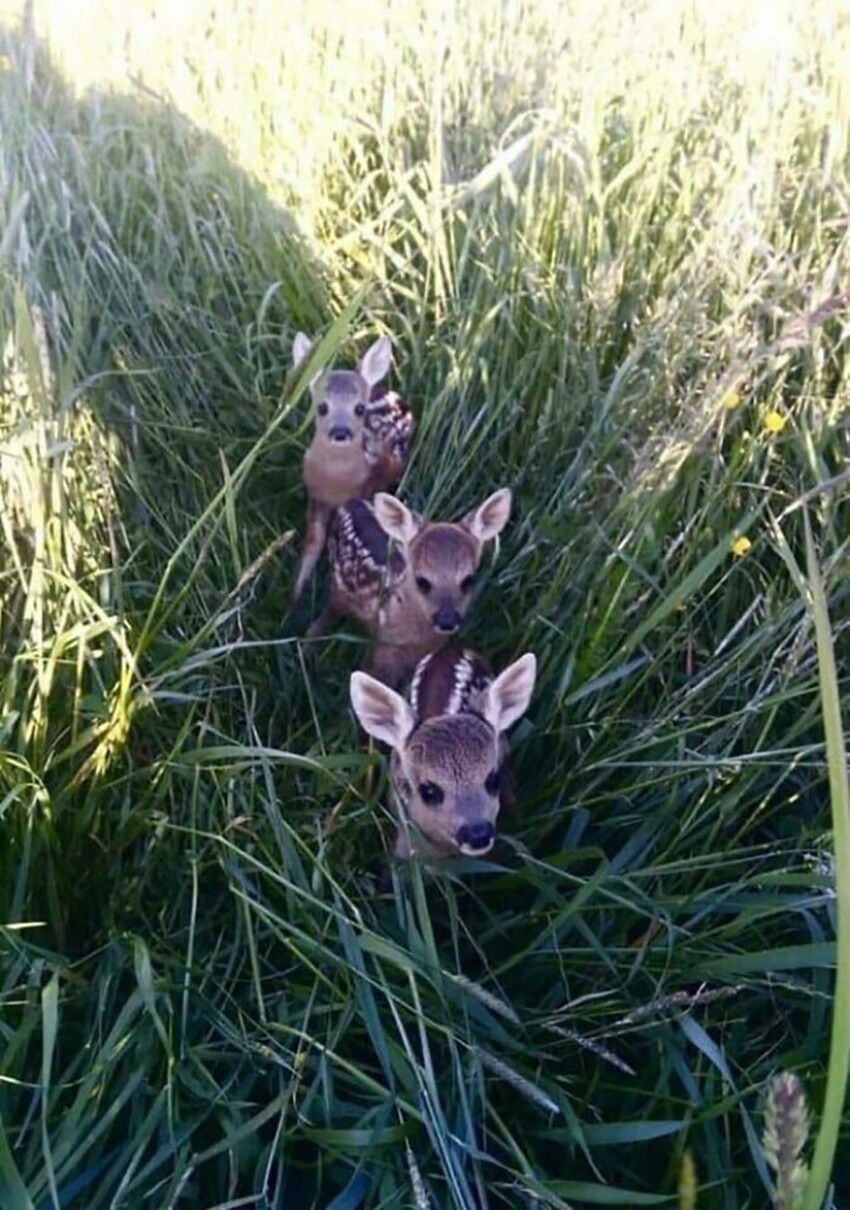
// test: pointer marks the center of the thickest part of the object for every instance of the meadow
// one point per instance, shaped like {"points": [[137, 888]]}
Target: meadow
{"points": [[611, 244]]}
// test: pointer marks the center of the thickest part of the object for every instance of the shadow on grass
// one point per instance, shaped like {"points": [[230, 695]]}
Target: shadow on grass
{"points": [[149, 292]]}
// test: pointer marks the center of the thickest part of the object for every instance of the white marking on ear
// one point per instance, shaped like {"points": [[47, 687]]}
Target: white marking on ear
{"points": [[376, 360], [300, 348], [382, 712], [508, 696], [490, 518], [395, 518]]}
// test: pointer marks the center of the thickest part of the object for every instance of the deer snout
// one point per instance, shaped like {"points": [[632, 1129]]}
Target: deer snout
{"points": [[475, 839], [447, 619], [340, 433]]}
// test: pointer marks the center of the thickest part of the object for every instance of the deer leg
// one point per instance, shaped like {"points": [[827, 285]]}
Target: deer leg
{"points": [[325, 621], [318, 516]]}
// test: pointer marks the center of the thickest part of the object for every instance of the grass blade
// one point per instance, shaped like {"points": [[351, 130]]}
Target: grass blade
{"points": [[839, 792], [13, 1193]]}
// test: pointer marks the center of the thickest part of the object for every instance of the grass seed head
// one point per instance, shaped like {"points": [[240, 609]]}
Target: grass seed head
{"points": [[786, 1131]]}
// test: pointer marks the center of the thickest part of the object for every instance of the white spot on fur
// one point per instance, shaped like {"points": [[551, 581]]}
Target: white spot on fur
{"points": [[353, 562], [416, 682], [462, 678]]}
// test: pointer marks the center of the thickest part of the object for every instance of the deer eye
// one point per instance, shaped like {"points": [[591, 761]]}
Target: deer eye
{"points": [[467, 583], [430, 793], [322, 409], [491, 785], [423, 584], [359, 409]]}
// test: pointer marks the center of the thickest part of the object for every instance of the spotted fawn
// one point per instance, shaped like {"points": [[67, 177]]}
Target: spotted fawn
{"points": [[412, 599], [360, 446], [449, 747]]}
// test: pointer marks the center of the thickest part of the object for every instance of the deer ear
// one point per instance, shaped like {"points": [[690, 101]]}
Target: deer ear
{"points": [[382, 712], [508, 696], [376, 361], [490, 518], [300, 348], [395, 518]]}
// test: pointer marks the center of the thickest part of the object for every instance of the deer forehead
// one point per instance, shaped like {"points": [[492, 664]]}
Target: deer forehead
{"points": [[343, 388], [444, 549], [457, 748]]}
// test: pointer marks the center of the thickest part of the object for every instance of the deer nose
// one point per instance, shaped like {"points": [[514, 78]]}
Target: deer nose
{"points": [[476, 837], [446, 619], [340, 433]]}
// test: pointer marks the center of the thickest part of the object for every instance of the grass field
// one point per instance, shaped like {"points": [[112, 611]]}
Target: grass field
{"points": [[611, 243]]}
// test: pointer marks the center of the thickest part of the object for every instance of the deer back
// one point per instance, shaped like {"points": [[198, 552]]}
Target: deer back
{"points": [[387, 433]]}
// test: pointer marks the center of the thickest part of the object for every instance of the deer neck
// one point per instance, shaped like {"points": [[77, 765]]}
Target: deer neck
{"points": [[334, 473]]}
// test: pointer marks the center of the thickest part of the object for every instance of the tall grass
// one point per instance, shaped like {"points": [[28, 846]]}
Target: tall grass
{"points": [[611, 249]]}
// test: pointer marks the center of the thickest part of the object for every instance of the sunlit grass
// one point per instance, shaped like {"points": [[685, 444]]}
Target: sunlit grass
{"points": [[611, 248]]}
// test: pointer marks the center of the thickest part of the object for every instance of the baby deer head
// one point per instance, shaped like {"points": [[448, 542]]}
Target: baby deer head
{"points": [[340, 397], [441, 558], [445, 766]]}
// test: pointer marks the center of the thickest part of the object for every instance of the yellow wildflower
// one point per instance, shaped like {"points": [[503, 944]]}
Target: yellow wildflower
{"points": [[741, 546], [731, 401], [774, 422]]}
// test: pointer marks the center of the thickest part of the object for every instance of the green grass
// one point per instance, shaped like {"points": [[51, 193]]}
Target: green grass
{"points": [[608, 246]]}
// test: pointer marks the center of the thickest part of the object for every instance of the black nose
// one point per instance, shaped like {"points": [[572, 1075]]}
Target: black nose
{"points": [[476, 836], [446, 619], [340, 433]]}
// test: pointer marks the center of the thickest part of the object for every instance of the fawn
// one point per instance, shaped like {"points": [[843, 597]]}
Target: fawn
{"points": [[361, 444], [413, 599], [448, 747]]}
